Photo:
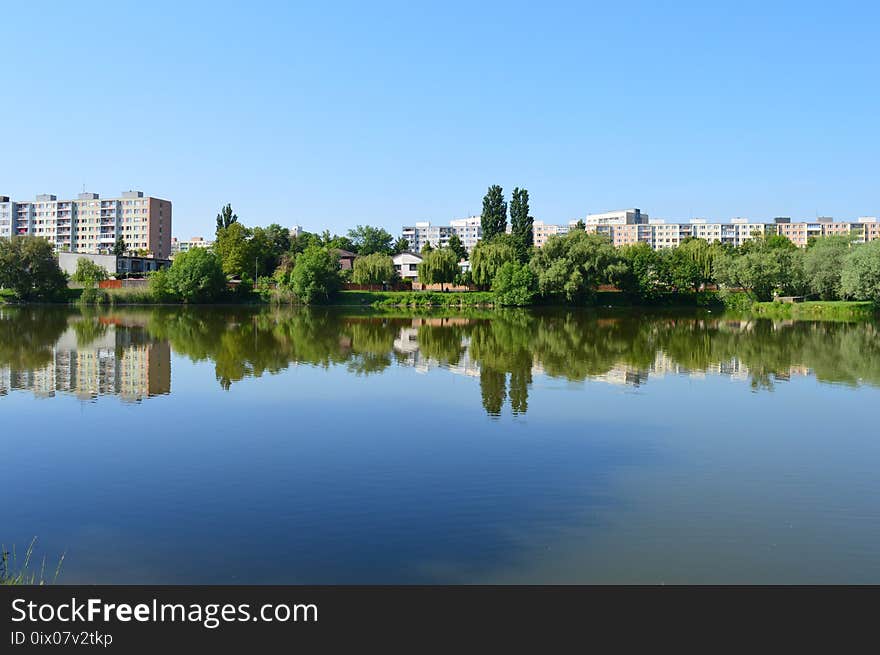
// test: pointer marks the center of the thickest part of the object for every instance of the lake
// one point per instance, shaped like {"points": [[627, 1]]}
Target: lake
{"points": [[288, 446]]}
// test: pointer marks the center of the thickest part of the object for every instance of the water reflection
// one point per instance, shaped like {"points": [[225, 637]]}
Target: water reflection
{"points": [[127, 353]]}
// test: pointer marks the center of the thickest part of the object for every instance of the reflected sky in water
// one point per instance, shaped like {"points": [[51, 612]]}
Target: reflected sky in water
{"points": [[297, 446]]}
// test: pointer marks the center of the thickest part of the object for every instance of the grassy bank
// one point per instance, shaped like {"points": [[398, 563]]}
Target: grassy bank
{"points": [[381, 299], [839, 310]]}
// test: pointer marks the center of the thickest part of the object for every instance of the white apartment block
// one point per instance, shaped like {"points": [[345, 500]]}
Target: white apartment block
{"points": [[616, 217], [180, 245], [91, 224], [469, 230]]}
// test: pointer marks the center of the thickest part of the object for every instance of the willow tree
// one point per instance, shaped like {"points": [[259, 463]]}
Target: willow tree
{"points": [[438, 266], [373, 269], [488, 257]]}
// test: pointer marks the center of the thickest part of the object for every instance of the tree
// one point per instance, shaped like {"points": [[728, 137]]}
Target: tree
{"points": [[580, 225], [438, 267], [643, 277], [401, 245], [267, 245], [368, 240], [373, 269], [225, 218], [29, 268], [427, 247], [234, 248], [689, 266], [88, 273], [571, 267], [119, 247], [488, 257], [315, 275], [195, 276], [823, 265], [515, 284], [493, 220], [303, 240], [763, 268], [861, 272], [456, 246], [521, 223], [337, 242]]}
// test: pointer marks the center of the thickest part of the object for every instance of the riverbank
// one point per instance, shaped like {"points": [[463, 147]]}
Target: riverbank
{"points": [[837, 310]]}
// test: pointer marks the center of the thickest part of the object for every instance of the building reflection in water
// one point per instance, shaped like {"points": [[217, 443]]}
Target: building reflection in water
{"points": [[97, 357]]}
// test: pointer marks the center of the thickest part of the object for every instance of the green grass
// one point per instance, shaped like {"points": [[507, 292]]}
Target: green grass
{"points": [[382, 299], [6, 295], [14, 573], [838, 310]]}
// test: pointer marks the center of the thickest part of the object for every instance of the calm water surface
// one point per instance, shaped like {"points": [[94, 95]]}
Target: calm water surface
{"points": [[331, 446]]}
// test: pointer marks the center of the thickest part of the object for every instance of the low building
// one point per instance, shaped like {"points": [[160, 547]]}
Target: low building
{"points": [[406, 264], [346, 259], [114, 265]]}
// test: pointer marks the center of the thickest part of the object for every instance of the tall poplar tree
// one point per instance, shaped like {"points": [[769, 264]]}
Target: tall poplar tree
{"points": [[521, 222], [493, 220]]}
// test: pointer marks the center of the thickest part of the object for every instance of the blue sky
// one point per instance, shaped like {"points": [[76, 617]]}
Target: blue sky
{"points": [[333, 114]]}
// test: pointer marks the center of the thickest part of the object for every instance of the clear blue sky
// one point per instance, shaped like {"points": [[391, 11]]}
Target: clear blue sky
{"points": [[335, 114]]}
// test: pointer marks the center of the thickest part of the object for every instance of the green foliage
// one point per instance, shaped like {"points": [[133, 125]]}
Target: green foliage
{"points": [[521, 223], [427, 247], [763, 268], [438, 267], [373, 269], [823, 265], [195, 276], [225, 218], [302, 241], [571, 267], [860, 279], [644, 274], [15, 572], [689, 266], [493, 219], [488, 257], [315, 276], [88, 272], [235, 249], [456, 246], [515, 284], [29, 268], [119, 248], [401, 245], [368, 240], [580, 225]]}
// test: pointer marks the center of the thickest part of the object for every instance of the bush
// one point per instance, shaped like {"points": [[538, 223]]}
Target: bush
{"points": [[515, 284]]}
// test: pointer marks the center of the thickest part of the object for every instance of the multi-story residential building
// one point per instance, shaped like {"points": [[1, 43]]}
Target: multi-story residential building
{"points": [[468, 230], [617, 217], [541, 231], [7, 214], [92, 224], [179, 245]]}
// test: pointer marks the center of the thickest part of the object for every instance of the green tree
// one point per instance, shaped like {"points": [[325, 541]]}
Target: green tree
{"points": [[427, 247], [88, 272], [515, 284], [823, 265], [488, 257], [438, 267], [763, 268], [580, 225], [643, 278], [195, 276], [315, 275], [401, 245], [493, 219], [233, 247], [119, 247], [338, 242], [571, 267], [373, 269], [303, 240], [521, 223], [225, 218], [456, 246], [861, 272], [29, 268], [368, 240], [689, 266]]}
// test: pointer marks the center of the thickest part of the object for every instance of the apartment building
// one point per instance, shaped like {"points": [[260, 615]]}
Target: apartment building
{"points": [[468, 229], [92, 224], [541, 231], [181, 245], [616, 217]]}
